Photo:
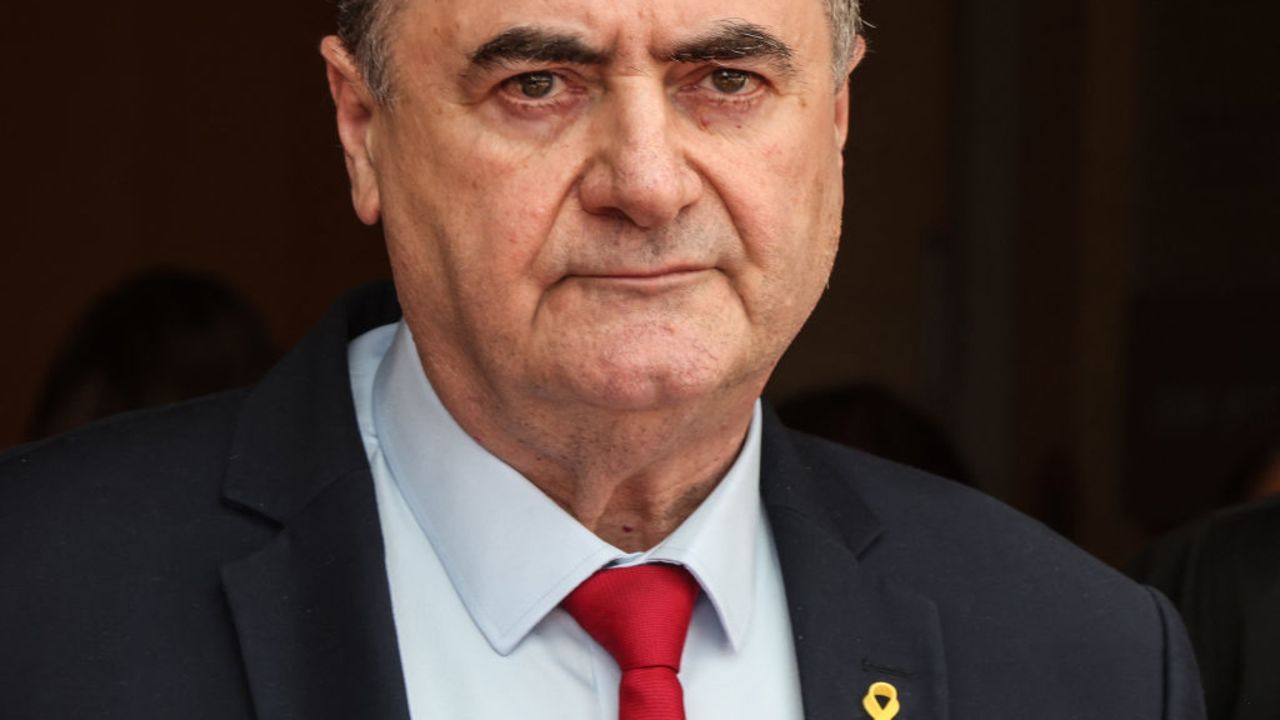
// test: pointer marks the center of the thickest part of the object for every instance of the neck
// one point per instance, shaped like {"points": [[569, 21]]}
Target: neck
{"points": [[631, 477], [636, 481]]}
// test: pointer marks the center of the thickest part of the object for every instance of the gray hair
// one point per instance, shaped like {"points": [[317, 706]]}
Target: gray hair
{"points": [[363, 25]]}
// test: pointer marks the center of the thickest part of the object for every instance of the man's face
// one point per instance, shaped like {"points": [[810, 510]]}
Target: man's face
{"points": [[626, 204]]}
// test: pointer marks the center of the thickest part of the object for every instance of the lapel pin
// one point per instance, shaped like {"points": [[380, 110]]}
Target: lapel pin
{"points": [[881, 711]]}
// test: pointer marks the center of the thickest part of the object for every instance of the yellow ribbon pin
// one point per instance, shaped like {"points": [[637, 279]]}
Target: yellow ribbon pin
{"points": [[871, 702]]}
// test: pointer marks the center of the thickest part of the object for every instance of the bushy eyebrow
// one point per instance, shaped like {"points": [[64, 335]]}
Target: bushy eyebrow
{"points": [[735, 40], [533, 44], [731, 40]]}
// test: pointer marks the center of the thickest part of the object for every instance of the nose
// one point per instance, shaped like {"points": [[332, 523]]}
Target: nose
{"points": [[638, 170]]}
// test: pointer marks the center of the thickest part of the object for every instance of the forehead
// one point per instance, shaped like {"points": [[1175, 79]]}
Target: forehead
{"points": [[616, 26]]}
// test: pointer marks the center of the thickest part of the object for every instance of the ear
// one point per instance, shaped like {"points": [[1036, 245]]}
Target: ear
{"points": [[355, 109], [842, 93]]}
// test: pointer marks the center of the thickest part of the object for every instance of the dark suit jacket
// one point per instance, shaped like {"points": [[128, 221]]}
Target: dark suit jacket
{"points": [[1223, 574], [222, 559]]}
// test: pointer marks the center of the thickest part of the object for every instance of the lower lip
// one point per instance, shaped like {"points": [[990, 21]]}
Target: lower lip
{"points": [[642, 283]]}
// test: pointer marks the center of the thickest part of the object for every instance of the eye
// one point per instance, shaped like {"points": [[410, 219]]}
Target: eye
{"points": [[729, 81], [534, 85]]}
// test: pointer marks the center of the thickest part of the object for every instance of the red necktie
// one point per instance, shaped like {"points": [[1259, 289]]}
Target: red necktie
{"points": [[640, 614]]}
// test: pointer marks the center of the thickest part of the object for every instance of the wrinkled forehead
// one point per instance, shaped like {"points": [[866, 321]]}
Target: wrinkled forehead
{"points": [[623, 30]]}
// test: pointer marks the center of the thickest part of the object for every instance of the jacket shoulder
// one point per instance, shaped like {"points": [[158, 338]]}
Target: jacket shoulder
{"points": [[138, 445], [1222, 575], [1013, 600], [121, 483], [973, 550], [1230, 547]]}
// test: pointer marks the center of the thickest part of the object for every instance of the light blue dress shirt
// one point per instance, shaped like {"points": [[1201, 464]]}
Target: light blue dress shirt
{"points": [[478, 560]]}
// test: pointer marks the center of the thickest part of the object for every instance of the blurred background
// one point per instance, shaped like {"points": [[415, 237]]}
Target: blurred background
{"points": [[1060, 279]]}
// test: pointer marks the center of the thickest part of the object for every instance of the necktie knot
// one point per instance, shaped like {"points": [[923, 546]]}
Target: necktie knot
{"points": [[640, 615]]}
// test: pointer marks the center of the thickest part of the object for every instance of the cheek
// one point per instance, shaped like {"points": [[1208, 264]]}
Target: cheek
{"points": [[512, 201], [789, 218], [798, 174], [785, 174], [494, 204]]}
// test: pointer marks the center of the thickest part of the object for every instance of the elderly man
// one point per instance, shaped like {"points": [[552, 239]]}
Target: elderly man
{"points": [[549, 490]]}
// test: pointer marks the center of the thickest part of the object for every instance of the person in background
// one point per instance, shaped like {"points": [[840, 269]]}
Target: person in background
{"points": [[159, 337], [871, 417], [1257, 474], [1223, 574]]}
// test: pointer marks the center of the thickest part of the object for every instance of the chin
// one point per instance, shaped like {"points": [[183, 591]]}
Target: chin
{"points": [[636, 386]]}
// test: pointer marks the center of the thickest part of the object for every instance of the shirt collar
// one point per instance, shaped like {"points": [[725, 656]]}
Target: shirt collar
{"points": [[509, 579]]}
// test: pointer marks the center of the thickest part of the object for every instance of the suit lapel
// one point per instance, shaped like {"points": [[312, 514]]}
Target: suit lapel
{"points": [[313, 614], [312, 609], [852, 627]]}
